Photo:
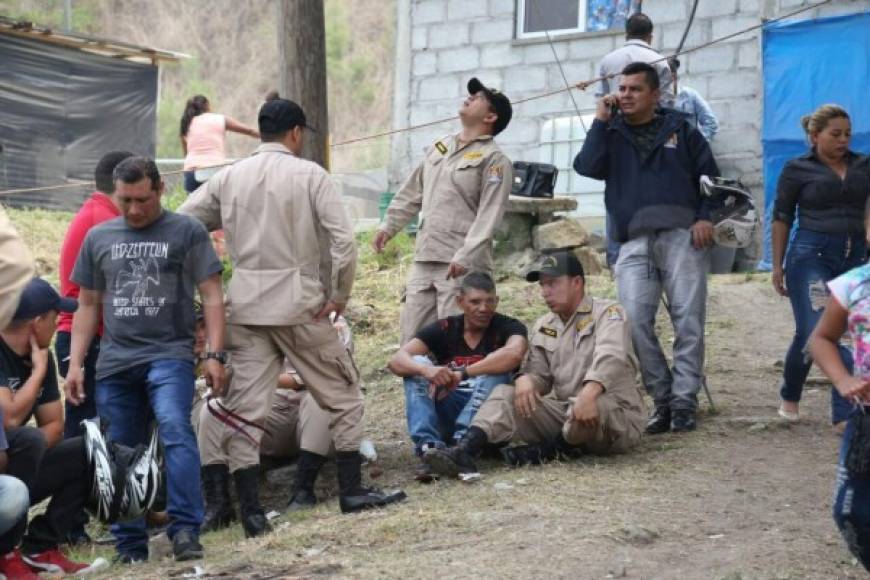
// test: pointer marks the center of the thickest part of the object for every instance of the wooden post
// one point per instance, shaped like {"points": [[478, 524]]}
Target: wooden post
{"points": [[302, 50]]}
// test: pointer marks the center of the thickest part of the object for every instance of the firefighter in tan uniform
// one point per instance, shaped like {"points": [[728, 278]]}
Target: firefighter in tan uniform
{"points": [[277, 212], [16, 269], [461, 191], [577, 389]]}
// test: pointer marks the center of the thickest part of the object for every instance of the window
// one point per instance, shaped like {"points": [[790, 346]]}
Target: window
{"points": [[561, 140], [537, 17]]}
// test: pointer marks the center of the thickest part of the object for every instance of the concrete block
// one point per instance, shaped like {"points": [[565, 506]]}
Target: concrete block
{"points": [[726, 26], [458, 59], [715, 8], [737, 140], [501, 30], [489, 77], [434, 110], [466, 9], [419, 38], [424, 64], [592, 48], [521, 130], [574, 71], [750, 7], [715, 58], [428, 11], [500, 55], [502, 7], [672, 11], [671, 34], [564, 233], [749, 55], [439, 87], [525, 79], [453, 35], [542, 53], [739, 84]]}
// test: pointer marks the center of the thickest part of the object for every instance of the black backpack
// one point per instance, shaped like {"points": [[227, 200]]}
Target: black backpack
{"points": [[534, 179]]}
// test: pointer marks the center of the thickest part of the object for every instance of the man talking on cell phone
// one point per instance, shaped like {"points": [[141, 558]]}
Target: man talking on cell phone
{"points": [[651, 160]]}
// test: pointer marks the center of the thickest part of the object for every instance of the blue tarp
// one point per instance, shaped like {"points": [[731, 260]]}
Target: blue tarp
{"points": [[806, 64]]}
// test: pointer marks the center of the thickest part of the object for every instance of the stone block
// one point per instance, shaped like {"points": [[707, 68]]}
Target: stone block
{"points": [[739, 84], [501, 31], [726, 26], [749, 55], [500, 55], [592, 48], [517, 262], [563, 233], [453, 35], [439, 87], [715, 8], [424, 64], [428, 11], [458, 59], [502, 7], [466, 9], [543, 53], [592, 261], [525, 79], [713, 59], [419, 38]]}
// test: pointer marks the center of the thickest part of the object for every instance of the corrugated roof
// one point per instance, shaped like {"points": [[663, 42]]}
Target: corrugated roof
{"points": [[91, 44]]}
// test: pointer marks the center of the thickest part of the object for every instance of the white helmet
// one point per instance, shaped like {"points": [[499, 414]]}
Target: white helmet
{"points": [[734, 216], [124, 480]]}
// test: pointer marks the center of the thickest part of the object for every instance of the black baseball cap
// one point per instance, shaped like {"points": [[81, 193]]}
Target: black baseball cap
{"points": [[280, 115], [39, 297], [556, 264], [498, 100]]}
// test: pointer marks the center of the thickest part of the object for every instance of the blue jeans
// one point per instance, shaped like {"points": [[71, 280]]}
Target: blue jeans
{"points": [[812, 260], [852, 504], [75, 414], [14, 501], [434, 423], [190, 182], [163, 390]]}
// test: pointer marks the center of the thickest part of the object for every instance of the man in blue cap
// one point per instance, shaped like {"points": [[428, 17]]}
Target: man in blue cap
{"points": [[49, 465]]}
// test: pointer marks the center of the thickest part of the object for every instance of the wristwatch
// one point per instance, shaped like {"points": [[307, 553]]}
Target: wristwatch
{"points": [[218, 355]]}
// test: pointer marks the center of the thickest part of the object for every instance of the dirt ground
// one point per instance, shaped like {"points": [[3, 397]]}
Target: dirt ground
{"points": [[746, 496]]}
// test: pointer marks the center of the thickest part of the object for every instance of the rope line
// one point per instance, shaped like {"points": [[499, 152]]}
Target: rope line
{"points": [[583, 85]]}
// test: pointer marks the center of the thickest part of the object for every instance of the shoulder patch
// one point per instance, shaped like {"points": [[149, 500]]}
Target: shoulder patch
{"points": [[441, 147], [495, 174], [672, 141], [548, 331], [615, 313]]}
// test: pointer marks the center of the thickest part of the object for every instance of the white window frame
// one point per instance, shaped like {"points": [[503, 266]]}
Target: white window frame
{"points": [[521, 18], [589, 193]]}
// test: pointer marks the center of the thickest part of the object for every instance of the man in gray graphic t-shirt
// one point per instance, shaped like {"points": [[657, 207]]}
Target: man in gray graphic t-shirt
{"points": [[143, 269]]}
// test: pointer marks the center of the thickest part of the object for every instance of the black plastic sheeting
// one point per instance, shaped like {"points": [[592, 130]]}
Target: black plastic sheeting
{"points": [[61, 109]]}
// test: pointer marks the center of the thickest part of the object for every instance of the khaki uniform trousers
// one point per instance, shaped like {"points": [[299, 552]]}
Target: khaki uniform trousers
{"points": [[257, 355], [617, 431], [429, 296]]}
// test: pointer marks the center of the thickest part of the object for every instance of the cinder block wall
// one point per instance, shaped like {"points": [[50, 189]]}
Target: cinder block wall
{"points": [[449, 41]]}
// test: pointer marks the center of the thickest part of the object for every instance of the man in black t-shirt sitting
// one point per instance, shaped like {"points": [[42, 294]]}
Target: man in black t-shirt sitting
{"points": [[473, 353], [49, 465]]}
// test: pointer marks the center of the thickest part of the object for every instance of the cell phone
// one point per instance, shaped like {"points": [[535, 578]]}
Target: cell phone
{"points": [[614, 109]]}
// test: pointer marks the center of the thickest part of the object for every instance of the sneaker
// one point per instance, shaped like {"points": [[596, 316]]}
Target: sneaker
{"points": [[683, 420], [424, 473], [659, 421], [55, 561], [790, 416], [186, 546], [128, 559], [13, 567]]}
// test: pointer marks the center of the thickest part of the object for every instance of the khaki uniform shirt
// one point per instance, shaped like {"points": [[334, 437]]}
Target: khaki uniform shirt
{"points": [[284, 223], [461, 192], [16, 269], [593, 345]]}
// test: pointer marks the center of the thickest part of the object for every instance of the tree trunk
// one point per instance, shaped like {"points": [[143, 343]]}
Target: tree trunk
{"points": [[302, 50]]}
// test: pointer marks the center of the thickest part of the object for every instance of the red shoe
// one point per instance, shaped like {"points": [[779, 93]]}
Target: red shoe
{"points": [[12, 567], [55, 561]]}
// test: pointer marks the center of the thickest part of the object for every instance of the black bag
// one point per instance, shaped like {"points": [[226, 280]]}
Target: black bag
{"points": [[858, 457], [534, 179]]}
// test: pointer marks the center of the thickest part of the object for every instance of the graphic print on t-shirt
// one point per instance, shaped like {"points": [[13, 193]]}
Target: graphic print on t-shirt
{"points": [[135, 279]]}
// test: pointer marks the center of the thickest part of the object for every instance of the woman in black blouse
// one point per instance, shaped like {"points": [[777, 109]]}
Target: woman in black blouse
{"points": [[827, 189]]}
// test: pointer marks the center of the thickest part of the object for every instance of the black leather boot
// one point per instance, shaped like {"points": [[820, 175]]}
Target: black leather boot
{"points": [[307, 467], [460, 459], [353, 495], [219, 512], [659, 421], [253, 518], [537, 454]]}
